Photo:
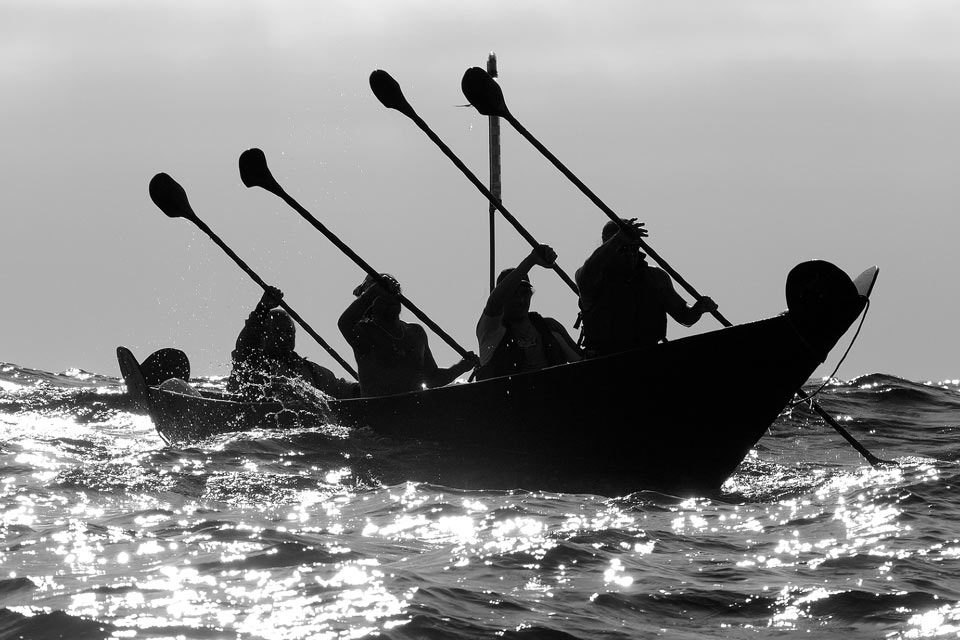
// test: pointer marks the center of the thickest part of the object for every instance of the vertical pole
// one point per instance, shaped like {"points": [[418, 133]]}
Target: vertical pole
{"points": [[494, 173]]}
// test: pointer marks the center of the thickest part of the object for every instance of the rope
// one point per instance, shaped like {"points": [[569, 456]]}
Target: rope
{"points": [[811, 396]]}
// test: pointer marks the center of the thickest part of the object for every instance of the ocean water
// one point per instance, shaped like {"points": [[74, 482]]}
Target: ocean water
{"points": [[108, 532]]}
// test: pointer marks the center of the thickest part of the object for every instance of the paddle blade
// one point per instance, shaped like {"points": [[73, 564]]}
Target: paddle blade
{"points": [[254, 171], [388, 92], [170, 197], [483, 92]]}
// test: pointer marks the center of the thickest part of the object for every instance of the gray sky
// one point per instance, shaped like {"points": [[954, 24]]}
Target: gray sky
{"points": [[750, 135]]}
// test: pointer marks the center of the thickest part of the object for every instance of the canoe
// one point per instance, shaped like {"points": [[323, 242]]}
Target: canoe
{"points": [[669, 417]]}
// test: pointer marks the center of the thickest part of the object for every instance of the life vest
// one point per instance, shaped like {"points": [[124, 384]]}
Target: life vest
{"points": [[507, 359], [624, 313]]}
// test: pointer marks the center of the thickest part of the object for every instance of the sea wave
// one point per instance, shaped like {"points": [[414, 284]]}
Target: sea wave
{"points": [[316, 532]]}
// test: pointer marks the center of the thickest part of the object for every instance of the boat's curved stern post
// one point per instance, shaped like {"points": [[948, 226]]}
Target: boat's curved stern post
{"points": [[823, 302], [137, 388]]}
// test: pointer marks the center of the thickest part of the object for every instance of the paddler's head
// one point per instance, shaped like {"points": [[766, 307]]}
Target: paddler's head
{"points": [[517, 304], [386, 295], [626, 234], [281, 333]]}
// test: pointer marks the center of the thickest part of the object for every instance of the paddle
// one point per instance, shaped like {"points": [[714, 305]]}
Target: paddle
{"points": [[872, 459], [388, 92], [170, 197], [484, 93], [254, 172]]}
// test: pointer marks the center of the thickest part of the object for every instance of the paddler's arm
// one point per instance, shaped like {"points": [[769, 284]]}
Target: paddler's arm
{"points": [[543, 256], [353, 314], [675, 305], [350, 320], [326, 381], [590, 275], [571, 350], [434, 376]]}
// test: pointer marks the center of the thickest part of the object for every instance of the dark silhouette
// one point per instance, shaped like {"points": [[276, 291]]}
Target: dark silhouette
{"points": [[264, 360], [163, 364], [393, 356], [625, 301], [514, 339], [388, 92]]}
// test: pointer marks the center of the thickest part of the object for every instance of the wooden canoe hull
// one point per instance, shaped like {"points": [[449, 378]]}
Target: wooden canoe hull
{"points": [[677, 417]]}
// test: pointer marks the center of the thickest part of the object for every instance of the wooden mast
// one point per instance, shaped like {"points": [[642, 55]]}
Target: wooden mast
{"points": [[494, 174]]}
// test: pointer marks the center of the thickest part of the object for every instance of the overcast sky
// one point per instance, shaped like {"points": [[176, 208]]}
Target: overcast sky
{"points": [[750, 135]]}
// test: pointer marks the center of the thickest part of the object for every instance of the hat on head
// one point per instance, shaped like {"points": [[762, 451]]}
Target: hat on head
{"points": [[609, 230], [369, 281], [506, 272]]}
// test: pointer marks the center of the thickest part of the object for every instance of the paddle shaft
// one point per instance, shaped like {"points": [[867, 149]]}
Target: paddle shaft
{"points": [[610, 213], [410, 113], [360, 262], [494, 146], [872, 459], [293, 314], [495, 185]]}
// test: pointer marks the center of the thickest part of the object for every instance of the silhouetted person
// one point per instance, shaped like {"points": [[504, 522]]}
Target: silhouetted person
{"points": [[624, 301], [264, 357], [514, 339], [393, 356]]}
